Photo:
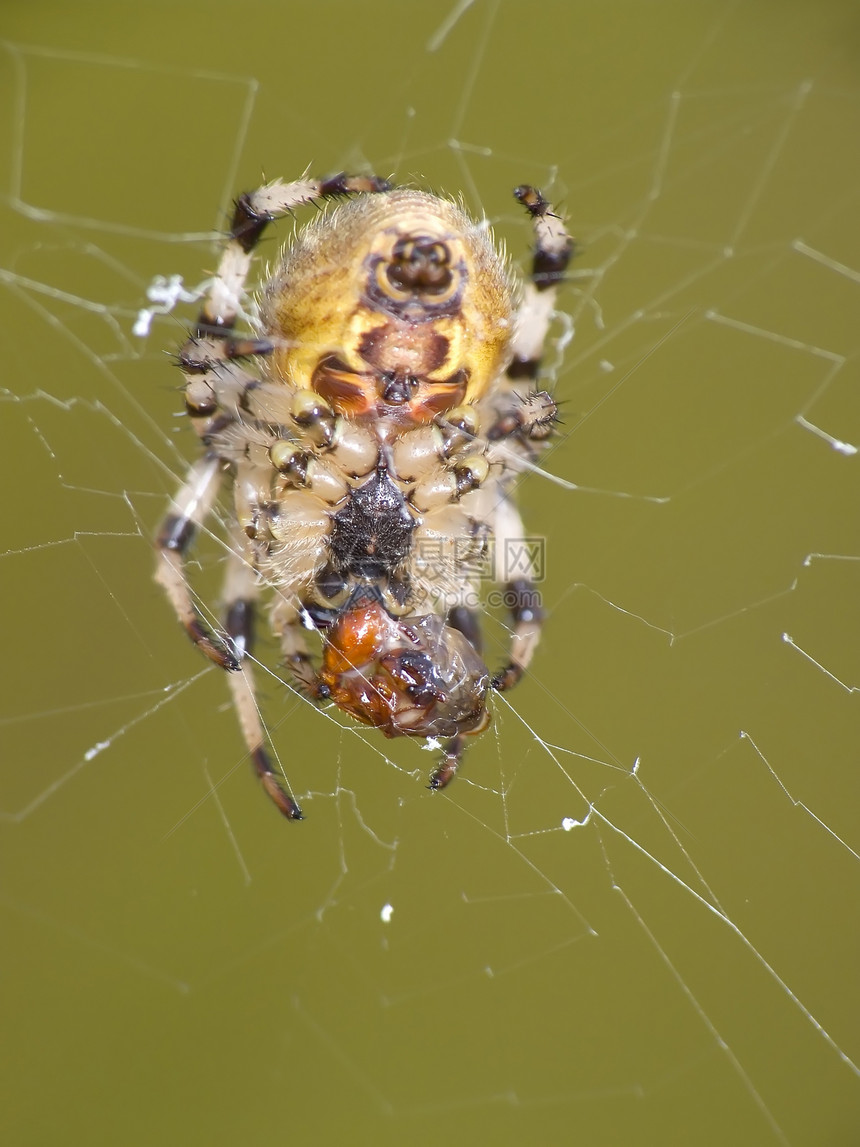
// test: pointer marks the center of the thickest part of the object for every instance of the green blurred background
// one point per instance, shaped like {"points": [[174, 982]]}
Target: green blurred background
{"points": [[182, 966]]}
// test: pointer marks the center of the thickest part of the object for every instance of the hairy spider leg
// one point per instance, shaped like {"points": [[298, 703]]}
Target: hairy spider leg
{"points": [[241, 590]]}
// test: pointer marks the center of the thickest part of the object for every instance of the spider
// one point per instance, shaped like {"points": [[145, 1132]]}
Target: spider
{"points": [[372, 426]]}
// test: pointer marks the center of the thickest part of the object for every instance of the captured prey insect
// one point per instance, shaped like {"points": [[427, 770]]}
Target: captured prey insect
{"points": [[372, 455]]}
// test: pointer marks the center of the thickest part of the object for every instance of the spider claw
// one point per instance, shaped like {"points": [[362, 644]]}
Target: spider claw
{"points": [[285, 803], [214, 648], [507, 678], [449, 765], [273, 788]]}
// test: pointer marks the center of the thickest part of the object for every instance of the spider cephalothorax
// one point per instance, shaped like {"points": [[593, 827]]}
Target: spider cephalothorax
{"points": [[372, 457]]}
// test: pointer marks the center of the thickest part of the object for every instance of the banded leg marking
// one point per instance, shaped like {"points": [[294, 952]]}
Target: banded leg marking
{"points": [[521, 597], [209, 358], [526, 617], [252, 213], [553, 250], [240, 594], [178, 530]]}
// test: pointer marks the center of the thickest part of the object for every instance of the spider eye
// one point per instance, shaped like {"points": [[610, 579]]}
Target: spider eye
{"points": [[421, 264]]}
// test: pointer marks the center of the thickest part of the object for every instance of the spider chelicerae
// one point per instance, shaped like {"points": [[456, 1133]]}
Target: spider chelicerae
{"points": [[372, 426]]}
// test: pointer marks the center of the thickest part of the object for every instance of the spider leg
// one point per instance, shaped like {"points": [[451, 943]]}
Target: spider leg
{"points": [[521, 597], [530, 419], [252, 213], [179, 528], [450, 764], [553, 249], [240, 601], [525, 415], [466, 620], [288, 624], [215, 383], [526, 620]]}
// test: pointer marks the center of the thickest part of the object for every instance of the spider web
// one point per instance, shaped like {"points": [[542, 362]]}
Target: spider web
{"points": [[633, 918]]}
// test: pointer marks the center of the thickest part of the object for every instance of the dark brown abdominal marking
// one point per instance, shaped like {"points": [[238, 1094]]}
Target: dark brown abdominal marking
{"points": [[420, 264], [419, 286], [403, 348]]}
